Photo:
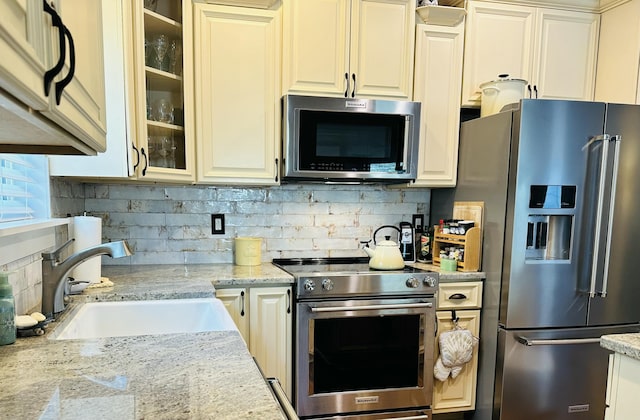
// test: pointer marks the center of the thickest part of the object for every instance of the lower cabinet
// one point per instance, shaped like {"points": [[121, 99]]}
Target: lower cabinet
{"points": [[463, 301], [623, 388], [264, 317]]}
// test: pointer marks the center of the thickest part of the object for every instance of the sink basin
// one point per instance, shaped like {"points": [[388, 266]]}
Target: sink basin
{"points": [[144, 317]]}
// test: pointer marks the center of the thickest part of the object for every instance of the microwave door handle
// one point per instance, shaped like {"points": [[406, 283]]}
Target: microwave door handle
{"points": [[405, 156], [601, 189], [615, 141]]}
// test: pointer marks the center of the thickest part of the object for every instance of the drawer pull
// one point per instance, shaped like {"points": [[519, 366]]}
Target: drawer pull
{"points": [[457, 296]]}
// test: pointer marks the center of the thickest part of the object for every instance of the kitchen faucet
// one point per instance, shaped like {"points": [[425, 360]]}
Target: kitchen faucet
{"points": [[54, 272]]}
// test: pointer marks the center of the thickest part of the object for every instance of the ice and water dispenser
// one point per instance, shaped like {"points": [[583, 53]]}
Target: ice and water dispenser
{"points": [[549, 235]]}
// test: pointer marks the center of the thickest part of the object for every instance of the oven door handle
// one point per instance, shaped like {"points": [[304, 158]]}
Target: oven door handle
{"points": [[370, 307]]}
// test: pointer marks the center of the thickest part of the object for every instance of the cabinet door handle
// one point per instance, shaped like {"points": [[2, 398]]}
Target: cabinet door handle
{"points": [[56, 21], [535, 90], [288, 301], [353, 91], [72, 67], [146, 161], [346, 91], [530, 93], [135, 165], [277, 169], [242, 303], [457, 296]]}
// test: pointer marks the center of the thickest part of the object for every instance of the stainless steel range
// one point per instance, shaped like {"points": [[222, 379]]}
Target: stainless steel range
{"points": [[364, 339]]}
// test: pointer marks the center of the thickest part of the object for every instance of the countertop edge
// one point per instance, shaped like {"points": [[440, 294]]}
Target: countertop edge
{"points": [[627, 344]]}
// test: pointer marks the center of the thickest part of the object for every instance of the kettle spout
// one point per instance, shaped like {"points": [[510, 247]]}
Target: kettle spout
{"points": [[368, 250]]}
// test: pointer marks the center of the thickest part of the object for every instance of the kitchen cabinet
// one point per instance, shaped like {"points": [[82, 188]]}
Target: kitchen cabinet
{"points": [[139, 146], [438, 47], [263, 316], [348, 48], [623, 388], [237, 94], [118, 160], [554, 50], [57, 42], [618, 71], [461, 300], [163, 91]]}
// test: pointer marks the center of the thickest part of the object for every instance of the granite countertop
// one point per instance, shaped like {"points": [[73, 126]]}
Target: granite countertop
{"points": [[452, 276], [627, 344], [172, 376]]}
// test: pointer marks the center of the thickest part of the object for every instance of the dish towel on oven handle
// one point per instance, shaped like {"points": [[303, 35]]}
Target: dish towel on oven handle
{"points": [[456, 350]]}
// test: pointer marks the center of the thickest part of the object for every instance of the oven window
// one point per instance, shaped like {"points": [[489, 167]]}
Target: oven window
{"points": [[363, 353], [351, 141]]}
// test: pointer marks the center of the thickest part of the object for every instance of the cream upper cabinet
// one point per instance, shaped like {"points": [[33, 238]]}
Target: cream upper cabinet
{"points": [[349, 48], [52, 63], [237, 94], [438, 48], [554, 50], [618, 75], [23, 51], [163, 91], [79, 106], [263, 316], [565, 60], [140, 145], [117, 161]]}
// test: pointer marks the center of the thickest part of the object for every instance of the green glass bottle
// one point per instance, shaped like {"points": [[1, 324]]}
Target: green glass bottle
{"points": [[7, 311]]}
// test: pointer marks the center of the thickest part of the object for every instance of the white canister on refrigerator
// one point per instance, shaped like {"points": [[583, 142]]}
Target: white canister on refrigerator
{"points": [[500, 92]]}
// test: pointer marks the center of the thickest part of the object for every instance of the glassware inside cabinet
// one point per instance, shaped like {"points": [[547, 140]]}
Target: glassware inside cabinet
{"points": [[164, 84]]}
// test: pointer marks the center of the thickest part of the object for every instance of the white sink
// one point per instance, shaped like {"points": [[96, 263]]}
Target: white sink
{"points": [[144, 317]]}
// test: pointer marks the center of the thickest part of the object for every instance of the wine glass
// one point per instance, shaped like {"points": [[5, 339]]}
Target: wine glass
{"points": [[164, 111], [161, 47]]}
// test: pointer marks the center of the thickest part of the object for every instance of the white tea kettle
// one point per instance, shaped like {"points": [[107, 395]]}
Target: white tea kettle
{"points": [[500, 92], [387, 254]]}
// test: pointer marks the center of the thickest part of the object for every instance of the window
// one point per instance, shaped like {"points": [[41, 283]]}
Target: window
{"points": [[24, 187]]}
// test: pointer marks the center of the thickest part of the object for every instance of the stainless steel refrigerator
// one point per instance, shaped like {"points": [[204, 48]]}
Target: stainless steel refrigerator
{"points": [[561, 186]]}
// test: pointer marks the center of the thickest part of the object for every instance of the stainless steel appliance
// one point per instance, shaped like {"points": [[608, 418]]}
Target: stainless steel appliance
{"points": [[559, 183], [364, 339], [349, 139]]}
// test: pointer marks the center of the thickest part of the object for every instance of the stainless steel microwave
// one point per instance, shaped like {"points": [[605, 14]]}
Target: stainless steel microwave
{"points": [[349, 140]]}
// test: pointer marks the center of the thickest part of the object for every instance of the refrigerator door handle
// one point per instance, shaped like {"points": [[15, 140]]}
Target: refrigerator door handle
{"points": [[529, 342], [614, 182], [601, 190]]}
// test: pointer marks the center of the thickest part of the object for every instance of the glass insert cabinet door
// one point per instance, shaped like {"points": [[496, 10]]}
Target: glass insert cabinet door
{"points": [[165, 141]]}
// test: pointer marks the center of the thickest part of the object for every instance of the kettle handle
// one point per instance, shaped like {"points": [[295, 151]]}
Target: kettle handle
{"points": [[382, 227]]}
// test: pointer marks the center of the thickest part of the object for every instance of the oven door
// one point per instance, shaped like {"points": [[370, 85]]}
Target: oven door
{"points": [[357, 356]]}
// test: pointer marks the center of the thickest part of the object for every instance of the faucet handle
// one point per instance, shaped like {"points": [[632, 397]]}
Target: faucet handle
{"points": [[55, 255]]}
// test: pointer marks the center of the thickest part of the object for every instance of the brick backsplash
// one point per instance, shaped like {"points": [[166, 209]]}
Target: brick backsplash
{"points": [[168, 224]]}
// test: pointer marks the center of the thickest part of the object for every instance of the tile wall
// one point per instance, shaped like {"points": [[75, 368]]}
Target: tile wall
{"points": [[172, 224]]}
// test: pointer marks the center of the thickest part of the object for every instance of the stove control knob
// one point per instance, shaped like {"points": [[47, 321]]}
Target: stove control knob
{"points": [[309, 285], [413, 282], [430, 281], [327, 284]]}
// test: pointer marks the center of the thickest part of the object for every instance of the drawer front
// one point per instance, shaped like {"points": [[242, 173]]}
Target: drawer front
{"points": [[463, 295]]}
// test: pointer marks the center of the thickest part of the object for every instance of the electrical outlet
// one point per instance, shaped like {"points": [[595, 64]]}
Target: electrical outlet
{"points": [[217, 224], [418, 222]]}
